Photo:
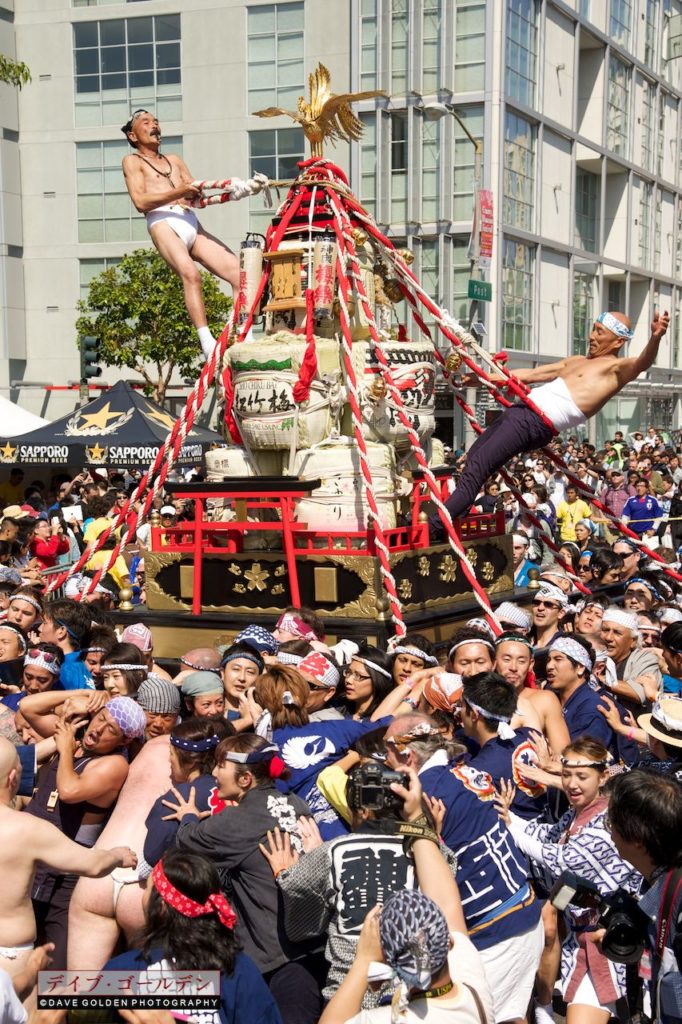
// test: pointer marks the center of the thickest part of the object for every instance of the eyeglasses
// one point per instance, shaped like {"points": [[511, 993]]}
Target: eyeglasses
{"points": [[352, 674], [545, 604], [47, 656]]}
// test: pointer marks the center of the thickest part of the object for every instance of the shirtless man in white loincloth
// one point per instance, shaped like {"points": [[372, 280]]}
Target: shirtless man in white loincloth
{"points": [[573, 389], [26, 842], [160, 187]]}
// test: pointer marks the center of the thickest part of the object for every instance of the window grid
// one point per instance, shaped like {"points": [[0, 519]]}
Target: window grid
{"points": [[469, 46], [105, 212], [521, 50], [583, 311], [126, 63], [275, 54], [89, 269], [430, 274], [368, 162], [644, 246], [460, 277], [647, 124], [399, 167], [399, 41], [519, 172], [621, 19], [658, 221], [276, 152], [430, 170], [464, 161], [675, 354], [368, 44], [678, 244], [618, 107], [586, 210], [660, 149], [650, 32], [517, 295], [431, 28]]}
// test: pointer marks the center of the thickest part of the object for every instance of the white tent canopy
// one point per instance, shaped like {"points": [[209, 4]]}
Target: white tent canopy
{"points": [[15, 421]]}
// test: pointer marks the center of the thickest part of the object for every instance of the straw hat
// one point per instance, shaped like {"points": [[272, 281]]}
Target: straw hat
{"points": [[665, 721]]}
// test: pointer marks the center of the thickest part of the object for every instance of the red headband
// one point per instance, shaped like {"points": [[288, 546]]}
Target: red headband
{"points": [[188, 907]]}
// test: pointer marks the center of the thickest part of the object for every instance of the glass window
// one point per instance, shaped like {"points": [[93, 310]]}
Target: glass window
{"points": [[617, 114], [431, 27], [675, 355], [429, 277], [517, 294], [275, 55], [583, 311], [519, 172], [658, 223], [587, 191], [678, 249], [127, 63], [650, 32], [430, 170], [464, 161], [105, 212], [522, 48], [460, 277], [399, 150], [399, 41], [644, 223], [470, 46], [368, 162], [647, 124], [88, 269], [276, 152], [621, 19], [368, 44]]}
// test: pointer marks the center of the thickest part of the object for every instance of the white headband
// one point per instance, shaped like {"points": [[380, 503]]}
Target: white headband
{"points": [[416, 653], [370, 664], [49, 666], [573, 650], [551, 593], [123, 668], [472, 640], [622, 618], [29, 600]]}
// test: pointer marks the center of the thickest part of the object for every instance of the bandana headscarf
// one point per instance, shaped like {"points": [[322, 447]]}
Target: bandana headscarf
{"points": [[615, 326], [645, 583], [415, 942], [548, 592], [247, 653], [428, 659], [320, 669], [258, 638], [508, 612], [290, 623], [622, 618], [185, 905], [443, 690], [573, 650], [128, 715], [194, 746], [39, 661]]}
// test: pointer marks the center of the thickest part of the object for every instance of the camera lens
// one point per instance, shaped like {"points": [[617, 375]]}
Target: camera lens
{"points": [[623, 941]]}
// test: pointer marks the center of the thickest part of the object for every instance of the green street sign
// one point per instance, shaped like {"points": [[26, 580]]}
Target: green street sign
{"points": [[481, 290]]}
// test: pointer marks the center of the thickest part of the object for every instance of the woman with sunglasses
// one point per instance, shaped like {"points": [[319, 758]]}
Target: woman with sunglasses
{"points": [[593, 987], [246, 770], [190, 926]]}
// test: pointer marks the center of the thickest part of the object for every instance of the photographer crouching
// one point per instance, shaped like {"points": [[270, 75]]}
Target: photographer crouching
{"points": [[645, 820]]}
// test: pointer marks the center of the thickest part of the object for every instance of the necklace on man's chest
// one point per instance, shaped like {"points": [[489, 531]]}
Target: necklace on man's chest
{"points": [[164, 174]]}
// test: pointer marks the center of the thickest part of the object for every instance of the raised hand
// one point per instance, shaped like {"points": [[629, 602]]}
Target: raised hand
{"points": [[278, 853]]}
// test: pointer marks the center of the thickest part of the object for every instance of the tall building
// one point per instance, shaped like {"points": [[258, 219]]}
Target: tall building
{"points": [[576, 106]]}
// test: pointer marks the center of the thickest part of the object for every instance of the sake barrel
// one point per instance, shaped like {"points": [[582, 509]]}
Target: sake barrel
{"points": [[413, 369], [339, 503], [264, 373]]}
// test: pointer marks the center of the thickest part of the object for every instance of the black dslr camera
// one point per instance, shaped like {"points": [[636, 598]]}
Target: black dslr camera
{"points": [[369, 788], [619, 914]]}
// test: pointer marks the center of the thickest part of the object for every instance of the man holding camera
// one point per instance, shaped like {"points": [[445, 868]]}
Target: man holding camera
{"points": [[645, 818], [332, 888], [501, 911]]}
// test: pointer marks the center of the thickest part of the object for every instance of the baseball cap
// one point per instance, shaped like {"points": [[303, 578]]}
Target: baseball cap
{"points": [[168, 510]]}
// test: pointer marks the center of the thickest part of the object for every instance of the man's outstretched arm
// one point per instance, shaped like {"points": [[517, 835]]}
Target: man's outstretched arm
{"points": [[629, 369], [533, 375]]}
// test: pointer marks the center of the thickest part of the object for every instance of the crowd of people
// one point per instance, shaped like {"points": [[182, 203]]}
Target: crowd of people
{"points": [[349, 833]]}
